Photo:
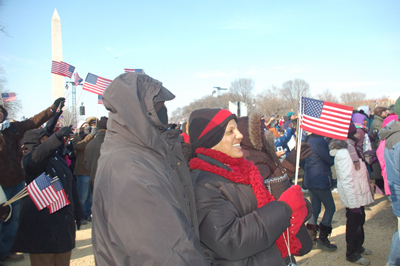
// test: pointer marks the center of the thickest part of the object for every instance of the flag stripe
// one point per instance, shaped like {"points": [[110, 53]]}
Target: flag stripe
{"points": [[325, 118], [41, 192], [62, 197], [9, 96], [326, 133], [35, 197], [62, 69], [96, 84], [325, 126]]}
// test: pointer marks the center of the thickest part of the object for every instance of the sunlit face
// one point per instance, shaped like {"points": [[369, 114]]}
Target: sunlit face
{"points": [[1, 116], [230, 143], [292, 117], [384, 114]]}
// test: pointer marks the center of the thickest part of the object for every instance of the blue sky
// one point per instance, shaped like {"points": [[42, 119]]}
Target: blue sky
{"points": [[193, 46]]}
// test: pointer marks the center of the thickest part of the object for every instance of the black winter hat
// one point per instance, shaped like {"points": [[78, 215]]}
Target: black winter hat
{"points": [[207, 126]]}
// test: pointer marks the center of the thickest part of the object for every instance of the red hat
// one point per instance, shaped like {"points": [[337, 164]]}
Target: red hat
{"points": [[207, 126]]}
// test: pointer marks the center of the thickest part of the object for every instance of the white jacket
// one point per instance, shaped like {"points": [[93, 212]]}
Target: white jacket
{"points": [[353, 185]]}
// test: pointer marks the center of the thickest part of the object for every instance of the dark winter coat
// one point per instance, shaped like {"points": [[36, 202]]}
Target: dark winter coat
{"points": [[260, 150], [317, 169], [376, 126], [11, 172], [39, 231], [79, 143], [233, 230], [143, 204], [92, 153], [255, 150]]}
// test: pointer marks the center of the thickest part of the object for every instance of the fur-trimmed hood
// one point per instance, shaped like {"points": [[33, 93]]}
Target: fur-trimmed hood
{"points": [[336, 145], [250, 127]]}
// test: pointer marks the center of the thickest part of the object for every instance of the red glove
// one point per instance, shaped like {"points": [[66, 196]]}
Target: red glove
{"points": [[294, 198], [297, 219]]}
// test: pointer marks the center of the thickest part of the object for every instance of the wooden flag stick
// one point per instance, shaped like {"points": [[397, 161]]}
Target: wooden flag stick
{"points": [[24, 193], [298, 142]]}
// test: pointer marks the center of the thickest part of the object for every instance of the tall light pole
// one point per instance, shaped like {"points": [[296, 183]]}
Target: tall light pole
{"points": [[218, 92]]}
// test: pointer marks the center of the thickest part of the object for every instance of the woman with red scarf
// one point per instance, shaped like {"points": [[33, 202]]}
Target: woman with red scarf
{"points": [[240, 222]]}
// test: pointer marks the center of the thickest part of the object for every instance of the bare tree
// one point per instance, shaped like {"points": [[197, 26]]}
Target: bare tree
{"points": [[12, 107], [326, 95], [177, 116], [241, 90], [204, 102], [353, 99], [269, 102], [293, 90], [67, 117], [3, 28]]}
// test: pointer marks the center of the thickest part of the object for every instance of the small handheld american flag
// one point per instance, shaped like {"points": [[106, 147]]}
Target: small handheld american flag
{"points": [[42, 192]]}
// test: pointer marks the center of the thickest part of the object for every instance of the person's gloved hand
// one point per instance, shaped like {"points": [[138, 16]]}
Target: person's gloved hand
{"points": [[94, 131], [59, 102], [356, 210], [63, 132], [78, 224], [294, 198], [4, 212], [305, 151], [297, 219]]}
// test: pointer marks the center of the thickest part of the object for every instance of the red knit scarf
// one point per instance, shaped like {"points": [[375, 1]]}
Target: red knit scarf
{"points": [[244, 172]]}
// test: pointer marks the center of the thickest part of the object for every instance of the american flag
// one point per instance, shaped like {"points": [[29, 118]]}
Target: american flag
{"points": [[325, 118], [41, 192], [56, 68], [62, 69], [100, 99], [127, 70], [96, 84], [62, 197], [78, 79], [66, 69], [9, 96]]}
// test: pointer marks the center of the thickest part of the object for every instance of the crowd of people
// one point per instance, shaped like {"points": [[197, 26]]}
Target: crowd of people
{"points": [[217, 190]]}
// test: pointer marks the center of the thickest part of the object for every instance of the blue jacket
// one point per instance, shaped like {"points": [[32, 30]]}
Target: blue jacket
{"points": [[283, 140], [317, 170]]}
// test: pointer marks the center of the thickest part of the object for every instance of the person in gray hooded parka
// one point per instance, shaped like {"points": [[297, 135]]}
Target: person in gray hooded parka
{"points": [[143, 206]]}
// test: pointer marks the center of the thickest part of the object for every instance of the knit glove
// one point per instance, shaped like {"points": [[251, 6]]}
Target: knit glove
{"points": [[63, 132], [294, 198], [297, 219], [58, 103], [305, 151], [94, 131]]}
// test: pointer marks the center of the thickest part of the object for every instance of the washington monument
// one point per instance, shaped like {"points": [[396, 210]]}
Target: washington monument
{"points": [[56, 48]]}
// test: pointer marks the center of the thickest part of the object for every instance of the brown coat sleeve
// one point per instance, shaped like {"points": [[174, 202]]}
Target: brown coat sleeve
{"points": [[33, 122]]}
